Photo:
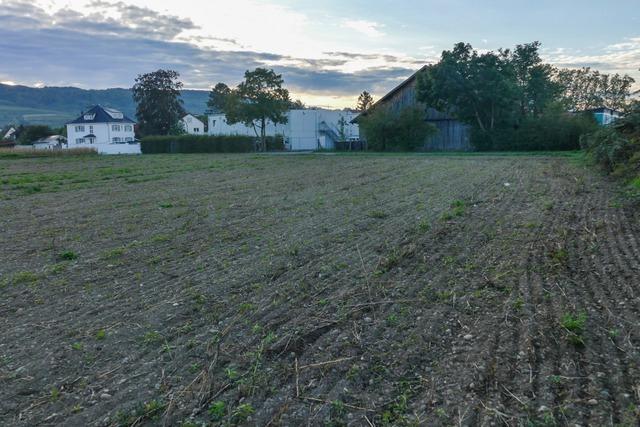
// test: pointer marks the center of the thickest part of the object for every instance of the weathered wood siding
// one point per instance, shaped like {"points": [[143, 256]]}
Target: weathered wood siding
{"points": [[452, 135]]}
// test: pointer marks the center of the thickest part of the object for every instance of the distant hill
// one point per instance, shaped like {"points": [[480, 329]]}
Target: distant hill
{"points": [[54, 106]]}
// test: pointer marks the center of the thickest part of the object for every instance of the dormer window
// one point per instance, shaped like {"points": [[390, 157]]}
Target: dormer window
{"points": [[115, 114], [89, 117]]}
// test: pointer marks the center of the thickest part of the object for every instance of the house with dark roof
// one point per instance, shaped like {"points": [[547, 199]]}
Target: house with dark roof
{"points": [[100, 125], [452, 134]]}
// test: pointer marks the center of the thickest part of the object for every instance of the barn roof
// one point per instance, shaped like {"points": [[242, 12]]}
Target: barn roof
{"points": [[390, 95]]}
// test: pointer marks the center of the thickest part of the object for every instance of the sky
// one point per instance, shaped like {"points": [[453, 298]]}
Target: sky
{"points": [[327, 51]]}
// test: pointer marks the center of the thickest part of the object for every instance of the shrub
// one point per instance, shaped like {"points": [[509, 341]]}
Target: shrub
{"points": [[205, 144], [390, 131], [616, 148], [555, 131]]}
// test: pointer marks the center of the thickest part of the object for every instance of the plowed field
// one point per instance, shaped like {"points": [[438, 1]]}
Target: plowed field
{"points": [[317, 290]]}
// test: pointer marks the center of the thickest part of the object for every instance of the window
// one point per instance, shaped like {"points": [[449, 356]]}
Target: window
{"points": [[90, 129], [115, 128], [79, 129], [116, 140], [128, 128], [79, 140], [128, 139], [196, 130]]}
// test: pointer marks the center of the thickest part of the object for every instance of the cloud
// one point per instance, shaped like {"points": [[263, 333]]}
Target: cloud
{"points": [[111, 44], [368, 28], [623, 58]]}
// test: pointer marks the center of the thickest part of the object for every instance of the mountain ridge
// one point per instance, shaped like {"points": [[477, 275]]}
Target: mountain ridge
{"points": [[55, 105]]}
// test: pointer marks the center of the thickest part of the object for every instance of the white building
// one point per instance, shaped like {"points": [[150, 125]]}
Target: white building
{"points": [[319, 129], [192, 125], [305, 129], [218, 126], [107, 130], [52, 142]]}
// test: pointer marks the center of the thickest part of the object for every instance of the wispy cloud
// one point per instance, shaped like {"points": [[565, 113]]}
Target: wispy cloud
{"points": [[367, 28]]}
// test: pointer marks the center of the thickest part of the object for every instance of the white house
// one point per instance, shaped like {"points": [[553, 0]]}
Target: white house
{"points": [[192, 125], [107, 130], [218, 126], [305, 129]]}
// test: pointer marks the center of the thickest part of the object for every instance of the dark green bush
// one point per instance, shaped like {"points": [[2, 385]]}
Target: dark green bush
{"points": [[406, 130], [550, 132], [616, 148], [205, 144]]}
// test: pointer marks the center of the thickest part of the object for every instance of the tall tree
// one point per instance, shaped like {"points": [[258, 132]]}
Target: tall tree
{"points": [[365, 101], [259, 99], [218, 97], [534, 80], [584, 88], [159, 105], [476, 88]]}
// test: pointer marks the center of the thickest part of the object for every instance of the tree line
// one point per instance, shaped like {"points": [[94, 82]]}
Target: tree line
{"points": [[510, 98]]}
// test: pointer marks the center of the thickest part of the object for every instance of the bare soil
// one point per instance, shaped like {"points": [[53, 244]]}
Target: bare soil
{"points": [[317, 290]]}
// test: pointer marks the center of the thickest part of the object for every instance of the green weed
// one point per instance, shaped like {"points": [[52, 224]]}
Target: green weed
{"points": [[68, 256], [574, 324], [242, 412], [217, 410], [152, 337], [378, 214], [25, 278]]}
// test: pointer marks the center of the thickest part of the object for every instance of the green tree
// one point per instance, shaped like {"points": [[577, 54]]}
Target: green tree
{"points": [[365, 101], [260, 98], [177, 129], [506, 96], [159, 103], [534, 80], [478, 89], [218, 97], [298, 105], [342, 125], [28, 134], [406, 130], [584, 89]]}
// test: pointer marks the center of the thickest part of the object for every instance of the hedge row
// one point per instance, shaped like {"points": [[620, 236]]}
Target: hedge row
{"points": [[205, 144], [553, 132]]}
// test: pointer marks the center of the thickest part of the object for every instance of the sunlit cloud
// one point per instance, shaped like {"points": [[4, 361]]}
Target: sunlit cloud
{"points": [[367, 28]]}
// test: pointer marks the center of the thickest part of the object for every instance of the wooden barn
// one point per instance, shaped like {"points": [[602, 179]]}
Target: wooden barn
{"points": [[452, 135]]}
